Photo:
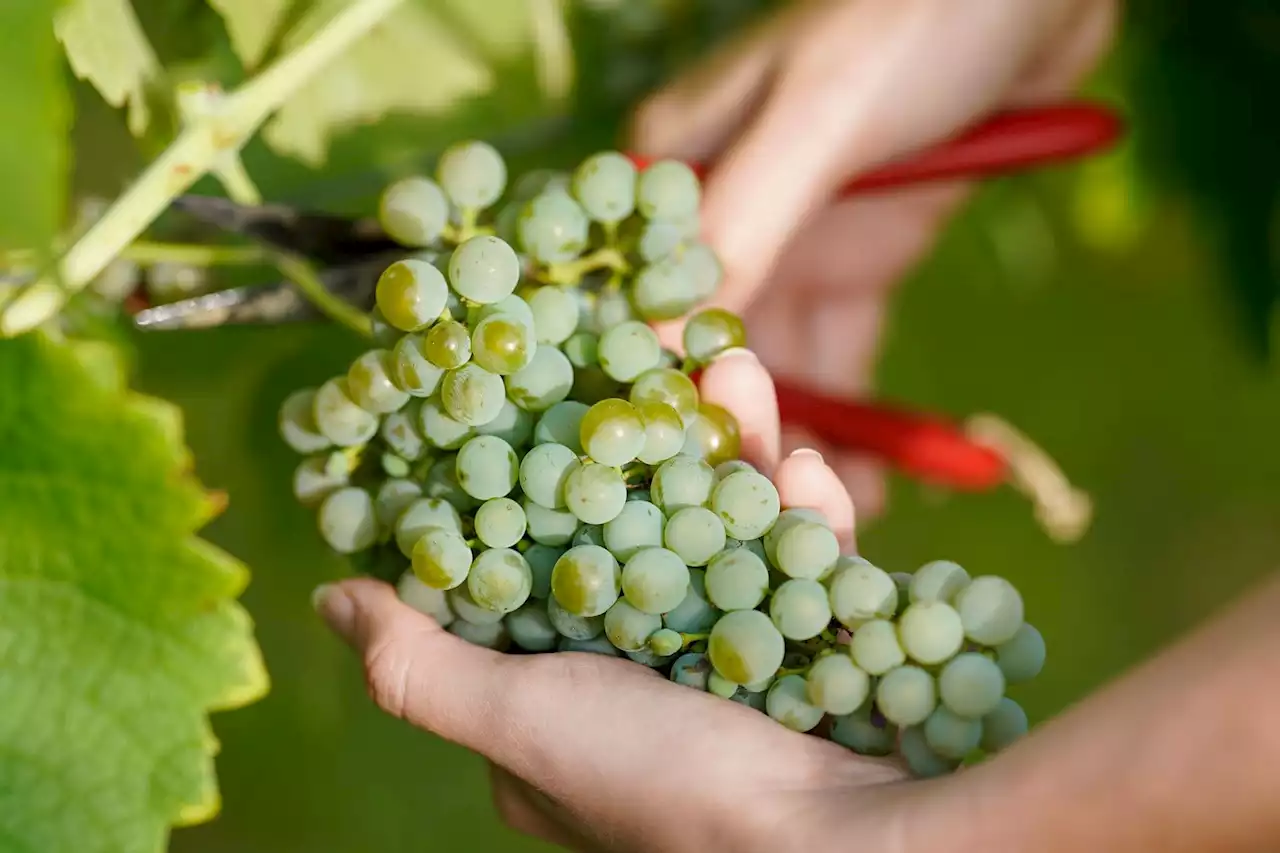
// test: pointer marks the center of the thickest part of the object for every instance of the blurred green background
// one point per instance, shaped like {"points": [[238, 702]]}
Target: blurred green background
{"points": [[1117, 311]]}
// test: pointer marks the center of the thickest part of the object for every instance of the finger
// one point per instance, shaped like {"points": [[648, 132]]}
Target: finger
{"points": [[804, 480], [738, 382], [526, 810]]}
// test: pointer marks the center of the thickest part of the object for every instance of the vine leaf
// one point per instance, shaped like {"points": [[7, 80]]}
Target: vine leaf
{"points": [[119, 629], [105, 45], [252, 25]]}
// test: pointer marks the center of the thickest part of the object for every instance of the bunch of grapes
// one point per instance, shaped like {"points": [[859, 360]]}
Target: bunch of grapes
{"points": [[543, 477]]}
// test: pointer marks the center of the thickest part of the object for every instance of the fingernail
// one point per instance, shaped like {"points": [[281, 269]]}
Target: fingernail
{"points": [[335, 608], [809, 452], [739, 352]]}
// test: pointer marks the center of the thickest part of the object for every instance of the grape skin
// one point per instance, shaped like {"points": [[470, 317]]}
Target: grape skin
{"points": [[991, 610], [637, 526], [736, 580], [971, 685], [1022, 657], [347, 520], [595, 493], [746, 502], [499, 580], [788, 703], [695, 533], [297, 423], [586, 580], [745, 646], [906, 695], [655, 580]]}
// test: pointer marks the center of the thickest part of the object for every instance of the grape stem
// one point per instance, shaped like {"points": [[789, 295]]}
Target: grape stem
{"points": [[309, 285], [571, 272], [690, 639], [148, 252]]}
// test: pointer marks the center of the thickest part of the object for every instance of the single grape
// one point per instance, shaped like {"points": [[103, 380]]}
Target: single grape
{"points": [[612, 432], [595, 493], [541, 560], [971, 685], [721, 686], [393, 498], [413, 211], [487, 467], [906, 695], [612, 308], [659, 240], [637, 526], [991, 610], [420, 516], [400, 432], [596, 646], [500, 579], [393, 466], [712, 331], [553, 228], [940, 580], [472, 395], [370, 384], [787, 519], [546, 380], [447, 345], [692, 669], [713, 435], [502, 344], [663, 291], [809, 550], [513, 425], [441, 558], [745, 646], [583, 349], [861, 592], [297, 422], [628, 627], [531, 628], [500, 523], [339, 418], [555, 314], [693, 615], [724, 469], [605, 185], [317, 477], [668, 189], [930, 632], [664, 643], [702, 269], [664, 434], [788, 703], [799, 609], [875, 647], [586, 580], [737, 580], [1022, 657], [747, 502], [484, 269], [836, 685], [628, 349], [655, 580], [695, 533], [682, 482], [424, 599], [411, 294], [589, 534], [536, 181], [571, 626], [440, 428], [490, 635], [858, 732], [670, 386], [543, 473], [410, 369], [513, 307], [562, 424], [923, 761], [951, 736], [347, 520], [553, 527], [468, 610], [472, 174], [1004, 725], [442, 483]]}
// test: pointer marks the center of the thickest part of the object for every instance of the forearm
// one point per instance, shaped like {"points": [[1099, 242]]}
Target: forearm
{"points": [[1181, 754]]}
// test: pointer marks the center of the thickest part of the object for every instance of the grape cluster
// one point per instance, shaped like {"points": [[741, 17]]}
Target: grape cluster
{"points": [[542, 476]]}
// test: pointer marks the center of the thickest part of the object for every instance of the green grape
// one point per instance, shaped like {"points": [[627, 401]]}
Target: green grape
{"points": [[400, 433], [513, 425], [297, 422], [733, 466], [468, 610], [422, 515], [668, 189], [930, 632], [721, 686], [440, 428], [663, 291], [492, 635], [370, 385], [663, 433], [950, 736], [800, 609], [737, 580], [583, 349], [1022, 657], [875, 647], [502, 344], [712, 331], [940, 580], [553, 527], [664, 642], [902, 580], [991, 610], [788, 703], [596, 646], [536, 181], [500, 580], [487, 467], [513, 307], [589, 534], [447, 345], [745, 646], [627, 350], [338, 418], [347, 520], [670, 386], [500, 523], [553, 228], [971, 685], [702, 269], [612, 432], [713, 435], [858, 732], [659, 240], [317, 477], [555, 314], [411, 294], [484, 269], [562, 424], [861, 592], [628, 627], [605, 185], [612, 308], [692, 669], [809, 550], [693, 615], [441, 558], [595, 493], [836, 685], [545, 381], [442, 483], [923, 761], [906, 695], [530, 627], [573, 627], [638, 525], [695, 533], [472, 395], [586, 580], [393, 498], [682, 482], [410, 369], [541, 560], [746, 501], [424, 599], [787, 519], [655, 580], [472, 174], [394, 466], [1003, 726], [413, 211], [543, 473]]}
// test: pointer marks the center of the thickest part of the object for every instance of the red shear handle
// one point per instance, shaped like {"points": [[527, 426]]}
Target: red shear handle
{"points": [[1006, 142]]}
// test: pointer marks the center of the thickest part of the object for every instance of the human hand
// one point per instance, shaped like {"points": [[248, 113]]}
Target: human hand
{"points": [[819, 93], [599, 753]]}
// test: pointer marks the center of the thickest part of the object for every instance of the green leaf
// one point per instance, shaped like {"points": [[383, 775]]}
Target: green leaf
{"points": [[105, 45], [119, 631], [252, 25]]}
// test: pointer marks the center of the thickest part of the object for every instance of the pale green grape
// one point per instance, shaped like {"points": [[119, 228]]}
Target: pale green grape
{"points": [[442, 483], [347, 520], [663, 291], [595, 493], [713, 435], [612, 432], [923, 761], [490, 635], [583, 349], [612, 308], [628, 627], [659, 240], [1004, 725], [420, 516], [447, 345], [468, 610], [712, 331], [586, 580], [502, 344], [487, 467], [721, 686], [809, 550], [472, 395], [737, 579], [400, 432], [546, 380], [536, 181], [394, 466], [859, 732], [393, 498], [571, 626], [339, 418], [472, 174], [553, 527], [1022, 657], [664, 642], [951, 736], [440, 428], [413, 211], [668, 189], [800, 609], [410, 369], [991, 610], [682, 482], [655, 580], [424, 599], [670, 386], [702, 269], [860, 592], [745, 646], [930, 632], [638, 525], [627, 350], [500, 522], [694, 615], [836, 685], [543, 473], [369, 381], [513, 307], [664, 434], [530, 627], [940, 580], [500, 579], [648, 657], [555, 314], [562, 424], [906, 695], [297, 422], [484, 269], [733, 466], [411, 294], [589, 534], [971, 685], [875, 647], [788, 703], [695, 533], [553, 228], [692, 669], [441, 558], [541, 560], [513, 425], [596, 646], [787, 519], [605, 185], [747, 502]]}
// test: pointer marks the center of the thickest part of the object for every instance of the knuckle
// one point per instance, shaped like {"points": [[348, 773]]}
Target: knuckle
{"points": [[388, 665]]}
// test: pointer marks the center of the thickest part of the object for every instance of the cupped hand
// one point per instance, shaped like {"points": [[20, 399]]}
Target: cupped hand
{"points": [[599, 753], [819, 93]]}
